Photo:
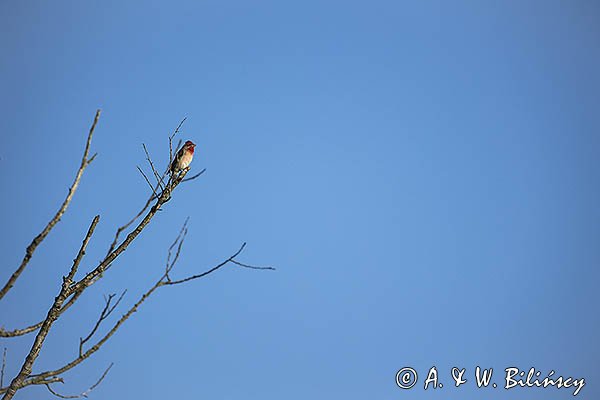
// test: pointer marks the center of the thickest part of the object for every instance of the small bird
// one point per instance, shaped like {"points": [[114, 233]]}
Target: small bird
{"points": [[183, 158]]}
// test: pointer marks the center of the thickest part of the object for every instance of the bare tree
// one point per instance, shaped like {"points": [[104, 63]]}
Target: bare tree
{"points": [[70, 289]]}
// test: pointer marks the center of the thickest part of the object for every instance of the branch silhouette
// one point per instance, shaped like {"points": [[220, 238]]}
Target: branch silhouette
{"points": [[72, 289]]}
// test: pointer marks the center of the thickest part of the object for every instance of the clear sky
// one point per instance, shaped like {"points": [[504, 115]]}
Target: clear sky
{"points": [[424, 176]]}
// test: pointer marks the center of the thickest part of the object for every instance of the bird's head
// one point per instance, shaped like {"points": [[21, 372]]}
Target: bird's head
{"points": [[189, 146]]}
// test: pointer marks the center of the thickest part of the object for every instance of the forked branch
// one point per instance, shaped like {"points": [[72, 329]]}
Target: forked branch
{"points": [[106, 311]]}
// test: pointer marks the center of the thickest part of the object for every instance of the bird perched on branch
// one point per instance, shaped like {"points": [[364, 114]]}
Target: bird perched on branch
{"points": [[183, 158]]}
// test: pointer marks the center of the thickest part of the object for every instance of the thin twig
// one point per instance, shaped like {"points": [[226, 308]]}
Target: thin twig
{"points": [[178, 127], [154, 171], [171, 154], [179, 239], [147, 181], [99, 380], [251, 266], [39, 238], [171, 137], [213, 269], [83, 394], [222, 264], [106, 311], [170, 267]]}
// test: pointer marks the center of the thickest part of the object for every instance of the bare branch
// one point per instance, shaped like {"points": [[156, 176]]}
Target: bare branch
{"points": [[251, 266], [54, 379], [163, 281], [178, 127], [222, 264], [179, 239], [195, 176], [19, 332], [154, 171], [81, 252], [53, 314], [103, 315], [171, 154], [83, 394], [99, 380], [213, 269], [39, 238], [3, 366], [34, 327], [61, 395], [148, 181]]}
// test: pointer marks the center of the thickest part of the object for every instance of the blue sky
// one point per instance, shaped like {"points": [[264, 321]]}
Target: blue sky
{"points": [[424, 176]]}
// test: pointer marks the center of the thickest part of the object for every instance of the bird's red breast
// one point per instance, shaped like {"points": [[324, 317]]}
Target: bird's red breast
{"points": [[184, 156]]}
